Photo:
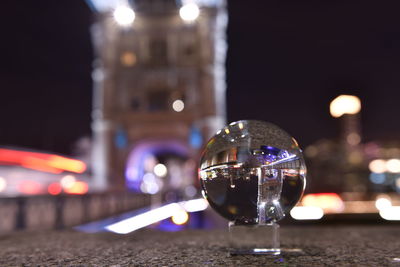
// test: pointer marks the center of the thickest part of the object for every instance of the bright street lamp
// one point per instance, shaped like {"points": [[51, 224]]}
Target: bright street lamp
{"points": [[345, 104]]}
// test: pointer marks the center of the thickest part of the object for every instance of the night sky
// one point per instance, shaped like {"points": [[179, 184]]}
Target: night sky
{"points": [[286, 61]]}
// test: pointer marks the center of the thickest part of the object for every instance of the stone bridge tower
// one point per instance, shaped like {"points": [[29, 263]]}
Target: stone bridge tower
{"points": [[159, 85]]}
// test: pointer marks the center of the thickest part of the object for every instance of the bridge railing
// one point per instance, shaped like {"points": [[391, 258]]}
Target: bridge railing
{"points": [[57, 212]]}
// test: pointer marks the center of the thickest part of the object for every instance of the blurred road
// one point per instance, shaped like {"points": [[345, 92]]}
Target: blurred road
{"points": [[323, 246]]}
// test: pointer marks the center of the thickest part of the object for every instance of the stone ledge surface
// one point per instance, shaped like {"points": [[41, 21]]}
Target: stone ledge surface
{"points": [[323, 246]]}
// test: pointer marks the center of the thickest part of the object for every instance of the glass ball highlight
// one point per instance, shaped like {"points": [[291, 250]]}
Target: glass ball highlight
{"points": [[252, 172]]}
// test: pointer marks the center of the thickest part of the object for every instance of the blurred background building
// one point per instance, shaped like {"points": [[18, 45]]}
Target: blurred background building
{"points": [[347, 164], [347, 176], [159, 90], [158, 76]]}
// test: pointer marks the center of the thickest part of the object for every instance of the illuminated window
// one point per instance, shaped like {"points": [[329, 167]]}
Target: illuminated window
{"points": [[128, 59]]}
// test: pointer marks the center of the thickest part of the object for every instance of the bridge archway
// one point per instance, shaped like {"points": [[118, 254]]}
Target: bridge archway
{"points": [[139, 173]]}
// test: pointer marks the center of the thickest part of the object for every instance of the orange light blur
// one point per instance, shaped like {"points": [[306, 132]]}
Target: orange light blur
{"points": [[29, 187], [38, 165], [54, 189], [78, 188], [329, 202], [41, 161], [66, 164]]}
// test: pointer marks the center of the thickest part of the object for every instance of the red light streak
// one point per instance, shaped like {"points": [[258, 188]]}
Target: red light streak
{"points": [[41, 161]]}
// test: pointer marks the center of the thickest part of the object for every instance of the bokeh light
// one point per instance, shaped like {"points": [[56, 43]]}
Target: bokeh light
{"points": [[78, 188], [393, 165], [68, 181], [54, 189], [377, 166], [180, 217], [160, 170], [329, 202]]}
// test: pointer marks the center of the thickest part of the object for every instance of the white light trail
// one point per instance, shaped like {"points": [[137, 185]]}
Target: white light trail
{"points": [[156, 215], [144, 219], [195, 205], [391, 213], [307, 213], [383, 203]]}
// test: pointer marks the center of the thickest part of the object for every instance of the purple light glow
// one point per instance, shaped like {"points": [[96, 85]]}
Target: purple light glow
{"points": [[135, 164]]}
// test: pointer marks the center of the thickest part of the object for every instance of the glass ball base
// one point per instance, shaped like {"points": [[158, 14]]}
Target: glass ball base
{"points": [[257, 239]]}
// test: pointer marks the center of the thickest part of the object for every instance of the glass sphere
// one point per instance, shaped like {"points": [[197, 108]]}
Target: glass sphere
{"points": [[252, 172]]}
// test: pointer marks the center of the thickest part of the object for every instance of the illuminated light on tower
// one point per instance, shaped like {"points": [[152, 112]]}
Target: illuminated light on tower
{"points": [[345, 104], [189, 12], [124, 15], [128, 59], [178, 105]]}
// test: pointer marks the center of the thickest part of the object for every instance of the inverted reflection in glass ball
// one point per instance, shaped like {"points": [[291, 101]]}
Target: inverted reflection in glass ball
{"points": [[252, 172]]}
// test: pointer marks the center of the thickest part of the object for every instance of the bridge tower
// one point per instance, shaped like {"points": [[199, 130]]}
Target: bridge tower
{"points": [[159, 87]]}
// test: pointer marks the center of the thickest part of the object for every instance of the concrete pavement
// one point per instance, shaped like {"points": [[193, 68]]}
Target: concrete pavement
{"points": [[323, 246]]}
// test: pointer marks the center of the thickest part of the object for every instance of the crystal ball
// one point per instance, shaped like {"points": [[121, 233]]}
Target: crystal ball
{"points": [[252, 172]]}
